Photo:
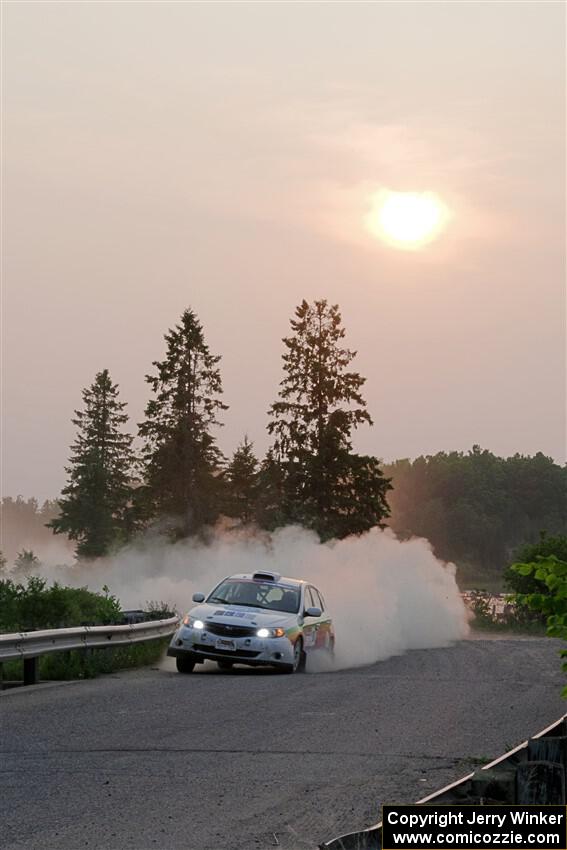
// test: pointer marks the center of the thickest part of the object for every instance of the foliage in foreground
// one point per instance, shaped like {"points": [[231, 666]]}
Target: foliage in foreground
{"points": [[35, 605], [530, 553], [552, 573]]}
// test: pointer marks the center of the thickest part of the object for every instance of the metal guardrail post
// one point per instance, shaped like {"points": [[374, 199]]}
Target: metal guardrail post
{"points": [[31, 671]]}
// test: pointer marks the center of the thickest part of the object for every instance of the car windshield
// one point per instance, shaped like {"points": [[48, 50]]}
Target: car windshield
{"points": [[257, 594]]}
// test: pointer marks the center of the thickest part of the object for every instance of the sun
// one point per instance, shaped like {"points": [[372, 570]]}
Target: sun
{"points": [[407, 220]]}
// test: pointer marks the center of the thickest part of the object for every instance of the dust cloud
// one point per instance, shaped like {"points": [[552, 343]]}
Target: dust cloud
{"points": [[385, 595]]}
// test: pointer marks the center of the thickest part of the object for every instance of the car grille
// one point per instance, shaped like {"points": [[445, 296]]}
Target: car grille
{"points": [[230, 631], [211, 650]]}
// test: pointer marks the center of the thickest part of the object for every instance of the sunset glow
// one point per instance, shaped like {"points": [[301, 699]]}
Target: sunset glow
{"points": [[406, 220]]}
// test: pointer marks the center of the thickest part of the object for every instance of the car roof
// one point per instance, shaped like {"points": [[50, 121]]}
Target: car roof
{"points": [[278, 582]]}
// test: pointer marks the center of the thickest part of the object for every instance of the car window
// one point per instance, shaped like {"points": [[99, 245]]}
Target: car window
{"points": [[310, 599], [320, 598], [256, 594]]}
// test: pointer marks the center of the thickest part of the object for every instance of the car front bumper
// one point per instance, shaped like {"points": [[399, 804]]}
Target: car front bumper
{"points": [[249, 650]]}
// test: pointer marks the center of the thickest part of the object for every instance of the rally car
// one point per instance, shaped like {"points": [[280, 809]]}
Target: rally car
{"points": [[256, 619]]}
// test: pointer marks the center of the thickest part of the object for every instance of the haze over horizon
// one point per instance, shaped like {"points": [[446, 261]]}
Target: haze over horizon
{"points": [[225, 157]]}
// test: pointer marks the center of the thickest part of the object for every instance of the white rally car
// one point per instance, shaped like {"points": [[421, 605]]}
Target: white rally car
{"points": [[257, 619]]}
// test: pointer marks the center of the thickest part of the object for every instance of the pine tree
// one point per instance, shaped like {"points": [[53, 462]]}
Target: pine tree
{"points": [[270, 499], [241, 478], [182, 461], [94, 508], [326, 486]]}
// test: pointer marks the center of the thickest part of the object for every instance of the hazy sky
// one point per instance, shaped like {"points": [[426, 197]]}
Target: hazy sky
{"points": [[224, 156]]}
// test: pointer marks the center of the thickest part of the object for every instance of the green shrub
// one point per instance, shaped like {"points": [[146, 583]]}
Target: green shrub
{"points": [[551, 573], [526, 583], [157, 610], [513, 618], [34, 605]]}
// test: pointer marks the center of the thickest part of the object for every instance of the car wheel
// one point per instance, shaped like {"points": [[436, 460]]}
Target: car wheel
{"points": [[298, 665], [225, 665], [184, 664]]}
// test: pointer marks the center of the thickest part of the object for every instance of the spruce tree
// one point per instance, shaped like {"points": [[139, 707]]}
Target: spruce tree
{"points": [[182, 461], [94, 507], [326, 486], [270, 499], [242, 483]]}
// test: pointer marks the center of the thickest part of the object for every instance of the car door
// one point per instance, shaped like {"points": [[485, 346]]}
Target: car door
{"points": [[325, 637], [310, 624]]}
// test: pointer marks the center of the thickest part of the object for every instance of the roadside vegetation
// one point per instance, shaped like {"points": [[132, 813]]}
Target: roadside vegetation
{"points": [[526, 605], [33, 604], [543, 585], [502, 614], [81, 664]]}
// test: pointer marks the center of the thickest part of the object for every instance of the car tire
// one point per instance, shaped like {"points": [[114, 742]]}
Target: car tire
{"points": [[184, 664], [225, 665], [299, 659]]}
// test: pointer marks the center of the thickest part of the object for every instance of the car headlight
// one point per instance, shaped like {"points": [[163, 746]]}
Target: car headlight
{"points": [[193, 623], [274, 633]]}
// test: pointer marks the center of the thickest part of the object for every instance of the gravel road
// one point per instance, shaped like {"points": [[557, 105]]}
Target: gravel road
{"points": [[243, 760]]}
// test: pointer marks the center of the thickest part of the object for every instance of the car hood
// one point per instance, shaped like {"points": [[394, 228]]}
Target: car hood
{"points": [[242, 615]]}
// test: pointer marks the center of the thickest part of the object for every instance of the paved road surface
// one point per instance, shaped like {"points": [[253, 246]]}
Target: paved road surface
{"points": [[222, 761]]}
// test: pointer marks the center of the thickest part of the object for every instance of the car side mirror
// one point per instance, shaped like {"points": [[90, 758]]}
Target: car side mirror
{"points": [[313, 612], [198, 597]]}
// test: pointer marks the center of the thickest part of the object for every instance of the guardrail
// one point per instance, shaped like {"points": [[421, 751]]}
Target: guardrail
{"points": [[29, 646], [508, 779]]}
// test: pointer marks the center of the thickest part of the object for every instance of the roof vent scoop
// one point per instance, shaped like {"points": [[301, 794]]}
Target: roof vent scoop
{"points": [[266, 576]]}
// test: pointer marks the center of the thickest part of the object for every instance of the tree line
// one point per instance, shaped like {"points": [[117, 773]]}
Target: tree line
{"points": [[180, 482], [23, 523], [475, 508]]}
